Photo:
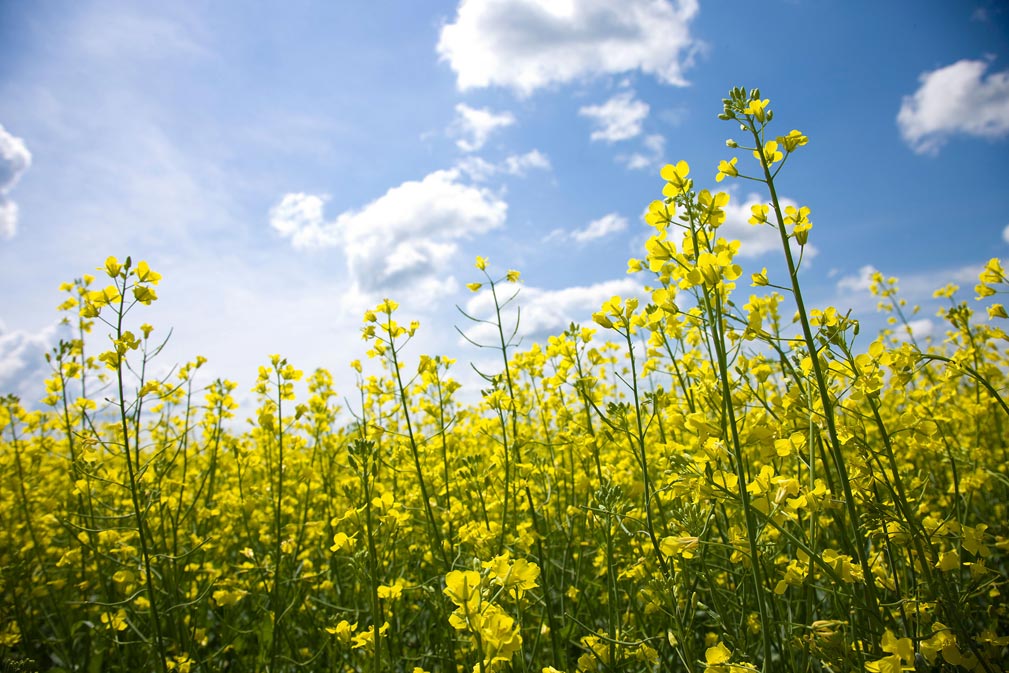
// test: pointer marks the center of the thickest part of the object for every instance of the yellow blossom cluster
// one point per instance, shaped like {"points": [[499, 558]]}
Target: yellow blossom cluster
{"points": [[695, 481]]}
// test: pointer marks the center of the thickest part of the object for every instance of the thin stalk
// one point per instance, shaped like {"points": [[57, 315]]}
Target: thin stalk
{"points": [[821, 384], [134, 495]]}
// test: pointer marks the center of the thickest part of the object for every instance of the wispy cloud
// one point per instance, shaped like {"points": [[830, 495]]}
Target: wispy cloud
{"points": [[518, 165], [619, 118], [475, 125], [606, 225], [14, 161], [526, 45], [955, 99], [859, 282], [917, 286], [651, 155]]}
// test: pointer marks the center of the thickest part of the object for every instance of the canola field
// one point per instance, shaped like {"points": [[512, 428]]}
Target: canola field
{"points": [[717, 478]]}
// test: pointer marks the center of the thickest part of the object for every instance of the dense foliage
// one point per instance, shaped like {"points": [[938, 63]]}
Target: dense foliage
{"points": [[696, 483]]}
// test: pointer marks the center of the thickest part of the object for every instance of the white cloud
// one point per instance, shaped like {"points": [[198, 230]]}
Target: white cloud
{"points": [[757, 240], [650, 158], [138, 36], [604, 226], [955, 99], [481, 170], [1005, 234], [22, 361], [299, 216], [529, 44], [476, 124], [401, 243], [619, 118], [8, 217], [919, 329], [914, 287], [14, 161], [860, 282], [546, 312], [519, 164]]}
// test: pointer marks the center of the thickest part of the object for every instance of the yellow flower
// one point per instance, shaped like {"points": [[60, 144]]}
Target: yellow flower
{"points": [[993, 271], [795, 575], [902, 647], [518, 575], [666, 300], [463, 588], [843, 566], [473, 287], [391, 592], [224, 597], [679, 546], [366, 639], [727, 169], [500, 635], [112, 267], [115, 621], [342, 542], [144, 294], [799, 219], [757, 108], [343, 631], [793, 140], [719, 654], [948, 560], [890, 664], [145, 275], [758, 213], [10, 634], [711, 207], [181, 663], [676, 176], [769, 154], [481, 263]]}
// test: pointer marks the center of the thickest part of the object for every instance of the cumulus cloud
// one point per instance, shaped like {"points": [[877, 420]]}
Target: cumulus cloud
{"points": [[14, 161], [619, 118], [481, 170], [917, 329], [1005, 234], [475, 125], [22, 361], [547, 312], [955, 99], [299, 216], [529, 44], [401, 243]]}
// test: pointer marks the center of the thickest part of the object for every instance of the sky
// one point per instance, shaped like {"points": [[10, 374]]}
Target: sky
{"points": [[286, 166]]}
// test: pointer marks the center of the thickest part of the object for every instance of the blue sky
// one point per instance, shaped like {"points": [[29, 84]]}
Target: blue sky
{"points": [[287, 165]]}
